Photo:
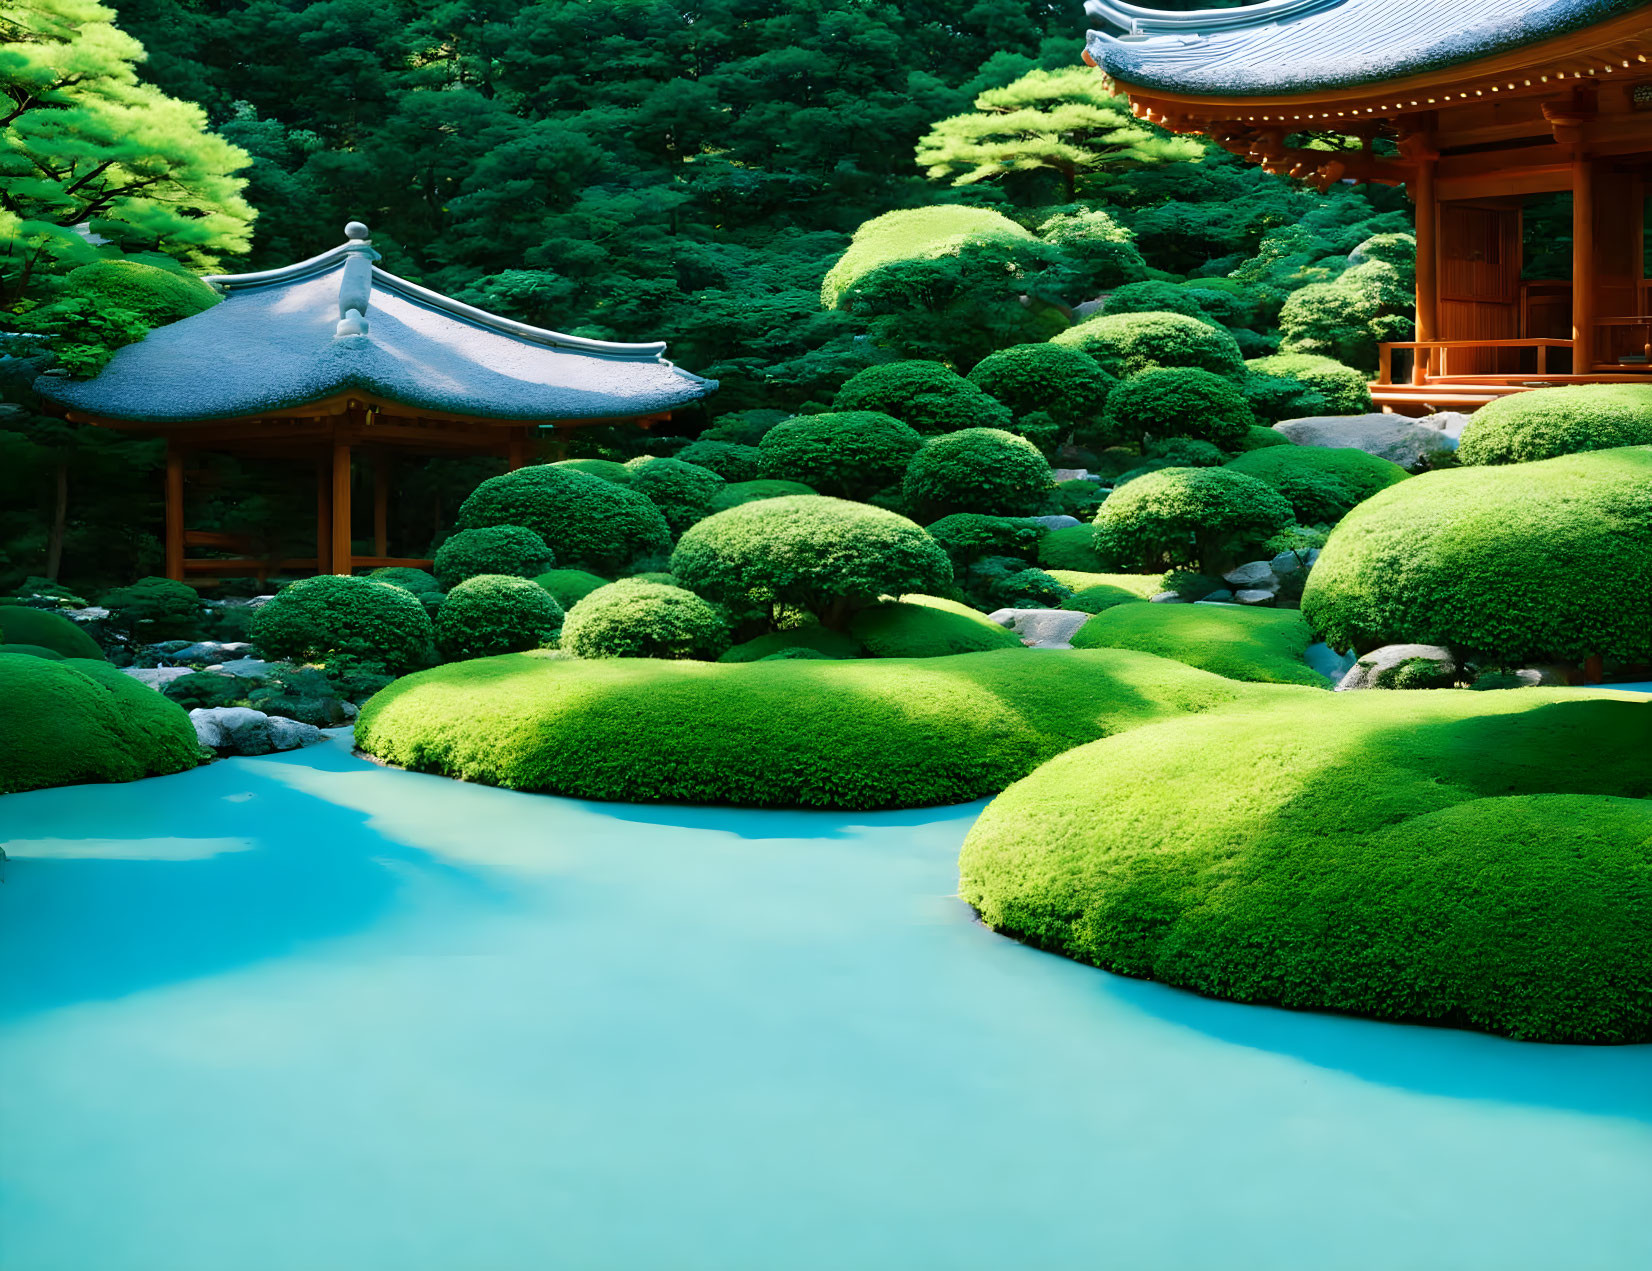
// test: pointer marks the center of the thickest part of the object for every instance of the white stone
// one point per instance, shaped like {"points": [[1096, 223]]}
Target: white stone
{"points": [[1047, 628], [1253, 596], [1003, 617], [1167, 598], [210, 651], [91, 613], [1258, 573], [233, 730], [1057, 522], [1392, 437], [1449, 422], [157, 676], [1070, 474], [252, 668], [290, 734], [1363, 674]]}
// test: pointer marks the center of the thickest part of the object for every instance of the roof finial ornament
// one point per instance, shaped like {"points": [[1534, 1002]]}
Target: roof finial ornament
{"points": [[355, 288]]}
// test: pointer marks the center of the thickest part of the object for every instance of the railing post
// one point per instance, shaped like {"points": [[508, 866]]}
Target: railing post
{"points": [[1542, 359], [1385, 363]]}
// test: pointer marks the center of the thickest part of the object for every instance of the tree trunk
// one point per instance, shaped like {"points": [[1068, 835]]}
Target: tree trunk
{"points": [[60, 522]]}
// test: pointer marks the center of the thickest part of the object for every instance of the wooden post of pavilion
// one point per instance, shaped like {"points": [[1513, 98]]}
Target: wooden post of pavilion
{"points": [[323, 514], [381, 504], [1583, 263], [174, 510], [341, 563], [1428, 265]]}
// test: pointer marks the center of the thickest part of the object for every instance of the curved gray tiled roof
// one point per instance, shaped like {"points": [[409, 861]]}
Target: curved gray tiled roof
{"points": [[1283, 47], [336, 322]]}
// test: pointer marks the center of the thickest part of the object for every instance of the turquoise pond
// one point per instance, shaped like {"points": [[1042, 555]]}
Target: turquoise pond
{"points": [[301, 1013]]}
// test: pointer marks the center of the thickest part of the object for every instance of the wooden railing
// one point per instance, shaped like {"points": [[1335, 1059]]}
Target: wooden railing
{"points": [[1433, 361]]}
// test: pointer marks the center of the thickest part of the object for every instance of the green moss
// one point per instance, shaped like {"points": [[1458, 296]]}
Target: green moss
{"points": [[1071, 549], [635, 619], [318, 617], [76, 720], [1130, 343], [1346, 391], [1140, 586], [1262, 645], [22, 625], [1526, 563], [913, 234], [1463, 858], [794, 733], [588, 522], [1321, 483], [158, 296], [738, 493], [567, 586], [982, 470], [32, 650], [491, 614], [845, 454], [606, 469], [928, 627], [1548, 422], [498, 549], [822, 640]]}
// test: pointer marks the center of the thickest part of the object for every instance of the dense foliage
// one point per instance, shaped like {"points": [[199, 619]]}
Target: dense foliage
{"points": [[1199, 517], [847, 454], [1342, 390], [981, 470], [588, 523], [925, 395], [683, 492], [1322, 483], [1548, 422], [317, 617], [1178, 402], [495, 549], [927, 627], [1129, 343], [635, 619], [489, 614]]}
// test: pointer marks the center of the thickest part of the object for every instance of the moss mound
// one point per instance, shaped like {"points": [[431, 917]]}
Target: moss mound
{"points": [[156, 295], [317, 617], [1346, 390], [568, 586], [607, 469], [32, 650], [1472, 859], [79, 720], [1548, 422], [928, 627], [22, 625], [1532, 562], [1073, 549], [1322, 483], [1264, 645], [1130, 343], [637, 619], [789, 733], [814, 637]]}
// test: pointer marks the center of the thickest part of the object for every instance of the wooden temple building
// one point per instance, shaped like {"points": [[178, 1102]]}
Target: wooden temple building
{"points": [[336, 362], [1476, 107]]}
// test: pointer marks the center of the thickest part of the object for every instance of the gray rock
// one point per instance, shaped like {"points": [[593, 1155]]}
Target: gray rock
{"points": [[1070, 474], [1392, 437], [254, 668], [1003, 617], [1363, 674], [157, 676], [1057, 522], [209, 651], [1287, 563], [233, 730], [1045, 628], [1328, 662], [1254, 596], [1167, 598], [1221, 596], [1258, 573], [1449, 422], [91, 613], [290, 734]]}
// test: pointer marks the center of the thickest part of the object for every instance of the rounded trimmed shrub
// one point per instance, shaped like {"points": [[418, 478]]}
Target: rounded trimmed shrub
{"points": [[1154, 297], [1187, 516], [928, 627], [1264, 645], [1345, 390], [1467, 859], [966, 537], [588, 522], [74, 719], [496, 549], [978, 470], [846, 454], [423, 585], [315, 618], [1548, 422], [827, 556], [568, 586], [741, 492], [819, 640], [632, 619], [32, 651], [729, 460], [1130, 343], [1067, 384], [489, 614], [607, 469], [1179, 402], [154, 609], [684, 492], [1518, 564], [815, 733], [1071, 548], [156, 295], [1322, 483], [1259, 438], [20, 624], [925, 395]]}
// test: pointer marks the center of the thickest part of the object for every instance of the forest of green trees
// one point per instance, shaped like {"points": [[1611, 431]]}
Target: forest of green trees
{"points": [[621, 169]]}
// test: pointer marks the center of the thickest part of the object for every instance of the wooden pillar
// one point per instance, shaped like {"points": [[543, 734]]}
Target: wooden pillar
{"points": [[381, 504], [341, 507], [323, 514], [517, 455], [1428, 266], [1583, 264], [174, 510]]}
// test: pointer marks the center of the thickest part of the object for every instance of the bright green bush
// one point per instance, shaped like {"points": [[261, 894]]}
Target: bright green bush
{"points": [[924, 395], [206, 689], [730, 461], [912, 233], [1071, 548], [1533, 562], [1067, 384], [421, 584], [1179, 402], [496, 549], [1322, 483], [632, 619], [1345, 391], [845, 454], [1187, 452], [684, 492], [967, 537], [928, 627], [154, 609], [588, 522], [32, 651], [1272, 398], [865, 734], [1460, 858], [22, 625], [1258, 438], [826, 556], [737, 493], [568, 586], [71, 720], [814, 637], [315, 618], [1187, 516], [1548, 422], [1264, 645], [157, 296], [1141, 586], [607, 469], [977, 470], [489, 614], [1130, 343]]}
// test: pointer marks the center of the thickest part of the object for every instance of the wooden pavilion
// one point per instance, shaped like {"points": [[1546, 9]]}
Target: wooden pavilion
{"points": [[1475, 106], [334, 360]]}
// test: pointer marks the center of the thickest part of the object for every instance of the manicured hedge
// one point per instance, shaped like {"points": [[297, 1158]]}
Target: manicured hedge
{"points": [[607, 469], [567, 586], [156, 295], [1187, 516], [1179, 402], [635, 619], [492, 614], [588, 522], [683, 492], [1548, 422], [809, 733], [1067, 384], [1130, 343], [928, 627], [968, 536], [1525, 563], [1460, 858], [1322, 483], [21, 625], [154, 609], [982, 470], [71, 720], [727, 459], [925, 395], [1346, 391], [845, 454], [497, 549], [1071, 548], [317, 617], [1264, 645], [737, 493]]}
